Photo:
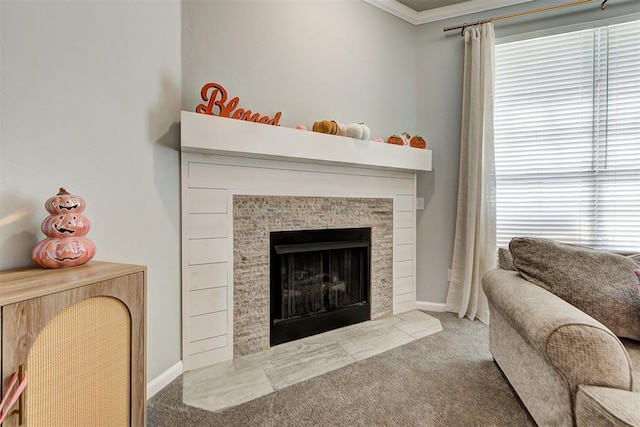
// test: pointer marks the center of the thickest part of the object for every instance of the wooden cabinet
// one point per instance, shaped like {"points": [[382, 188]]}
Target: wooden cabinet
{"points": [[79, 334]]}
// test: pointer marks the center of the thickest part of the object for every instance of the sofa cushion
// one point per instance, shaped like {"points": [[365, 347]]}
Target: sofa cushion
{"points": [[633, 350], [602, 406], [600, 283]]}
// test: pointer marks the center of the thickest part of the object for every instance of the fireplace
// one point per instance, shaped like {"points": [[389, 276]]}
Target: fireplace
{"points": [[240, 181], [320, 280], [256, 217]]}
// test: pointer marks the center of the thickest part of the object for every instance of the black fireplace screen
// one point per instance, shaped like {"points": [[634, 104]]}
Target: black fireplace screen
{"points": [[319, 281], [314, 282]]}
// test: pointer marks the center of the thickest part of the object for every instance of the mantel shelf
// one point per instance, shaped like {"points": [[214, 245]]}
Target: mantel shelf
{"points": [[201, 133]]}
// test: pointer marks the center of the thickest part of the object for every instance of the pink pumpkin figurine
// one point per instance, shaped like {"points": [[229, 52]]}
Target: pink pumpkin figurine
{"points": [[63, 202], [63, 252], [65, 228], [66, 225]]}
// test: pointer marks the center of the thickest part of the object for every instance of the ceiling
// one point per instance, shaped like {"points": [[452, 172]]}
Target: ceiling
{"points": [[423, 11]]}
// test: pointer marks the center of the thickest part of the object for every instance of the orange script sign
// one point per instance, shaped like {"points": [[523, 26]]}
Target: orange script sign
{"points": [[214, 95]]}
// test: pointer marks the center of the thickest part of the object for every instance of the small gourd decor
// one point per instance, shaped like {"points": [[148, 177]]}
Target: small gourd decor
{"points": [[65, 228]]}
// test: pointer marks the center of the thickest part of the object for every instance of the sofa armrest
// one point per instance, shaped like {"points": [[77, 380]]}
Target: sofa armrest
{"points": [[579, 347]]}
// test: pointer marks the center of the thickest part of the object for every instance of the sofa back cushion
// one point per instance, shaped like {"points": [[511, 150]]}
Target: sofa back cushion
{"points": [[505, 259], [600, 283]]}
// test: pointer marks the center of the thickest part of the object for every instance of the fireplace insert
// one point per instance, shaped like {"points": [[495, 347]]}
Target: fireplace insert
{"points": [[320, 280]]}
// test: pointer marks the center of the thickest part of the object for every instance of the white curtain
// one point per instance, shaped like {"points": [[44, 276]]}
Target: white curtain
{"points": [[474, 251]]}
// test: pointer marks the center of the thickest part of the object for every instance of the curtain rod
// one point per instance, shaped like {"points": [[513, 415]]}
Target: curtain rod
{"points": [[525, 13]]}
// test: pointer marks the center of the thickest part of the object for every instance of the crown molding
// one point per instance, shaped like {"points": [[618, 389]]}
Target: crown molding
{"points": [[438, 14], [397, 9], [464, 8]]}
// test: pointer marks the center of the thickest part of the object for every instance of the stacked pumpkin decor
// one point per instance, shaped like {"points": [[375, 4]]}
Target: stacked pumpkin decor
{"points": [[65, 228]]}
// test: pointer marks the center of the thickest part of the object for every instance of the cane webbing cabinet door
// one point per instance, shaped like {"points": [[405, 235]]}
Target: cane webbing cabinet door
{"points": [[79, 334]]}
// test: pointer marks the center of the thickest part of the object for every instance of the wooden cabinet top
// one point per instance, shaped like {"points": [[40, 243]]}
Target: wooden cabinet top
{"points": [[31, 282]]}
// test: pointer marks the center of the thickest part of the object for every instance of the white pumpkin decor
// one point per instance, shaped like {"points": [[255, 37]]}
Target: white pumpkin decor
{"points": [[355, 130]]}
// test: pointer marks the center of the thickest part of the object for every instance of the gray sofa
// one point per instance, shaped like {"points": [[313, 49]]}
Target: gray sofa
{"points": [[566, 367]]}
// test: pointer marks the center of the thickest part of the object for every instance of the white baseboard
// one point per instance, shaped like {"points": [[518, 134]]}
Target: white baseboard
{"points": [[163, 380], [431, 306]]}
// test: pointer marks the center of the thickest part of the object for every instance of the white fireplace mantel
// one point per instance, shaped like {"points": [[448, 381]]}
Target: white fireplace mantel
{"points": [[209, 134]]}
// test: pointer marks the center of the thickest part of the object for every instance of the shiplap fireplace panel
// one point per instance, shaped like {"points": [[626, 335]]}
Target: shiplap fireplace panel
{"points": [[209, 184]]}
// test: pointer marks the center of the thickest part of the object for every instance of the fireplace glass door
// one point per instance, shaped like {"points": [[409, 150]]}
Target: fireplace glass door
{"points": [[319, 281]]}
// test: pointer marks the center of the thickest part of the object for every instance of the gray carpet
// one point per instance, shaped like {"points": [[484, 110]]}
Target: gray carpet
{"points": [[445, 379]]}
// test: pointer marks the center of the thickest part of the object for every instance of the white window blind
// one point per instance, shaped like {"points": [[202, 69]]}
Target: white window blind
{"points": [[567, 138]]}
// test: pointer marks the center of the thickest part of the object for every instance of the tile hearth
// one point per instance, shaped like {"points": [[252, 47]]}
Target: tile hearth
{"points": [[245, 378]]}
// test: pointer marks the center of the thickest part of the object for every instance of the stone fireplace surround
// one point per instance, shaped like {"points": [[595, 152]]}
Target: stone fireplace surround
{"points": [[254, 217], [350, 183]]}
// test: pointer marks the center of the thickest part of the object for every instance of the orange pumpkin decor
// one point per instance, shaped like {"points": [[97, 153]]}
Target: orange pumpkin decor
{"points": [[326, 126], [65, 228], [395, 139], [417, 141]]}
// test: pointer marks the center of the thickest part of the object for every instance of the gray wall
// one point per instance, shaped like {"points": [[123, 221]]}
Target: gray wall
{"points": [[90, 101], [439, 109], [316, 59]]}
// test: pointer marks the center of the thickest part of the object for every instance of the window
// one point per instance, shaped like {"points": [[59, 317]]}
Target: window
{"points": [[567, 138]]}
